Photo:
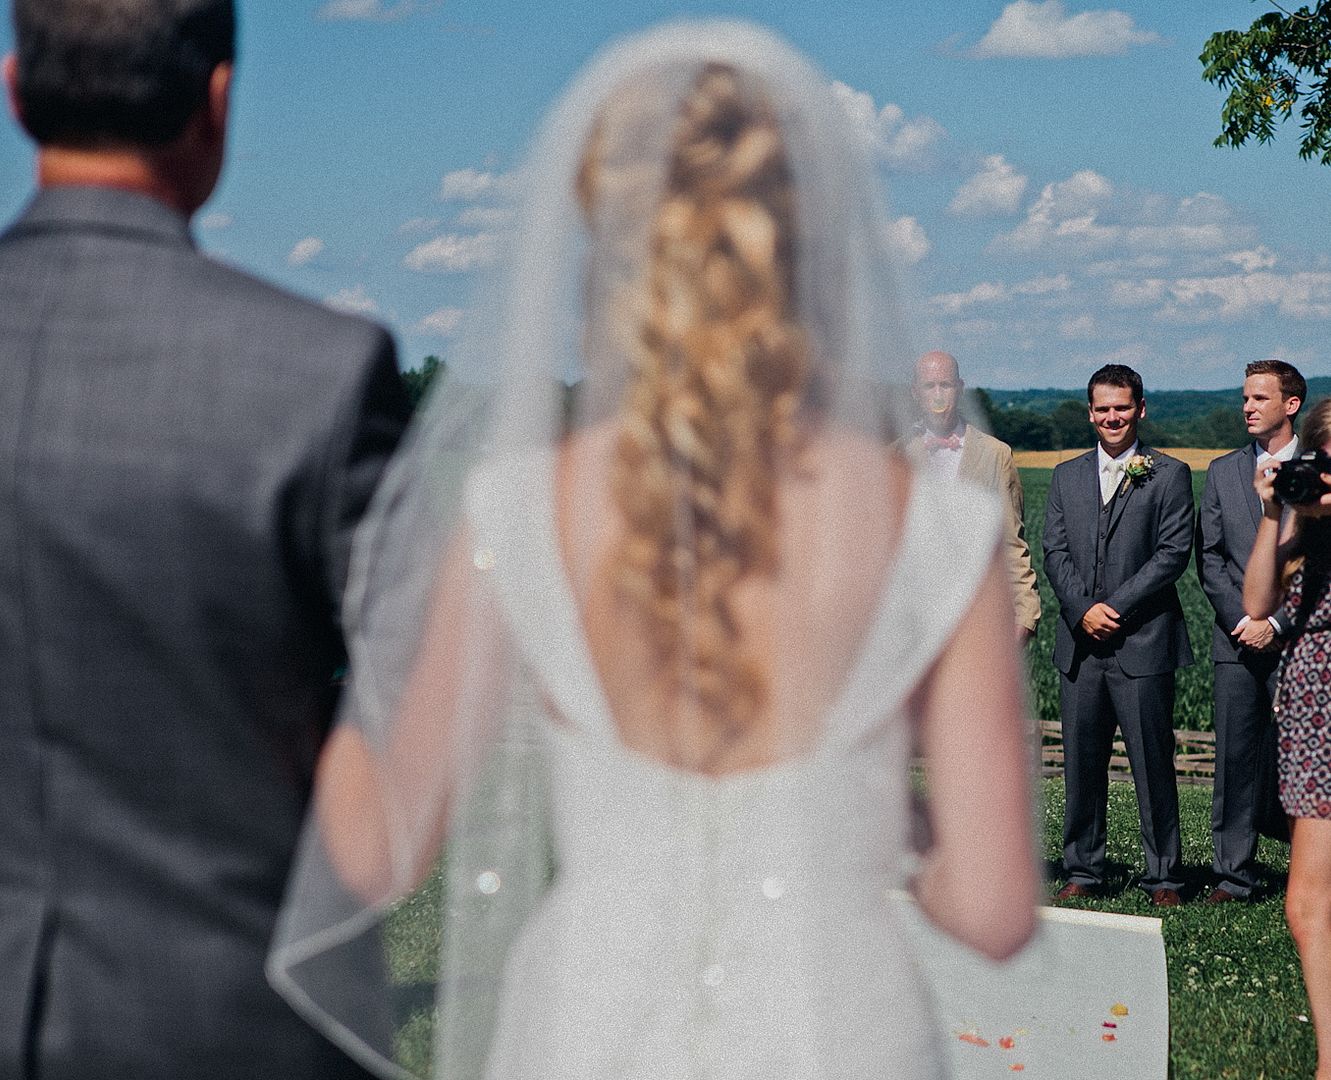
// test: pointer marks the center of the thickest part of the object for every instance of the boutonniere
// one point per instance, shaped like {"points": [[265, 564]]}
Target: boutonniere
{"points": [[1137, 469]]}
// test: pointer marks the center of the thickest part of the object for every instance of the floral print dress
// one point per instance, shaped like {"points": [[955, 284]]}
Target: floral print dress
{"points": [[1303, 699]]}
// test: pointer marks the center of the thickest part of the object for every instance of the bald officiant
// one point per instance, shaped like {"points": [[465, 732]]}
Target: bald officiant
{"points": [[948, 444]]}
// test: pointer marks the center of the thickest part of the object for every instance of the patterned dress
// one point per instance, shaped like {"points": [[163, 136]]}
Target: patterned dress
{"points": [[1303, 700]]}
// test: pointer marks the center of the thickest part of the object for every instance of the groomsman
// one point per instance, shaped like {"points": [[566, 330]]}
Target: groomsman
{"points": [[1117, 535], [958, 449], [1244, 801]]}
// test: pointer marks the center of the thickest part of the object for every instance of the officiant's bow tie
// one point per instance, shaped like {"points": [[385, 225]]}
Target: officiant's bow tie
{"points": [[933, 443]]}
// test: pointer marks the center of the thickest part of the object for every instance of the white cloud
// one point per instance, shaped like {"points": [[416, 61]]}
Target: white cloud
{"points": [[354, 300], [1258, 258], [419, 225], [216, 220], [986, 292], [305, 251], [467, 184], [1137, 293], [441, 323], [1086, 215], [887, 134], [996, 189], [1078, 326], [905, 238], [1303, 295], [369, 10], [993, 292], [1046, 31], [452, 252]]}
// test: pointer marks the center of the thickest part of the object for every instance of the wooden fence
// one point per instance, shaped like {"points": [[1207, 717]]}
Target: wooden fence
{"points": [[1194, 755]]}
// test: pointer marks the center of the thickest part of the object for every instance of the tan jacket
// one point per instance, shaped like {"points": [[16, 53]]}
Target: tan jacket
{"points": [[987, 462]]}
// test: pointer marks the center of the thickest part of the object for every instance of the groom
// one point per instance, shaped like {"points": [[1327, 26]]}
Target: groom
{"points": [[184, 453], [1117, 535]]}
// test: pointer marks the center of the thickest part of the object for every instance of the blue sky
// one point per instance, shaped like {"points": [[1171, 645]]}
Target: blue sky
{"points": [[1048, 162]]}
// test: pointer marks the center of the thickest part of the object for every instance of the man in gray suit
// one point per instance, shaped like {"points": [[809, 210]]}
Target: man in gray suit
{"points": [[1117, 536], [184, 452], [1245, 800]]}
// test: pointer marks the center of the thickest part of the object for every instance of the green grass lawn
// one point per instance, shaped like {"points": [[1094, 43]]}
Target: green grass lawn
{"points": [[1235, 991]]}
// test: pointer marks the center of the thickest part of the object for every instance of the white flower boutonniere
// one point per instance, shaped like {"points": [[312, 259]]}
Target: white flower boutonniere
{"points": [[1137, 469]]}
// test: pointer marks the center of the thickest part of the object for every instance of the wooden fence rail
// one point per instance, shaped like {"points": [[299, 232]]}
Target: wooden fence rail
{"points": [[1194, 755]]}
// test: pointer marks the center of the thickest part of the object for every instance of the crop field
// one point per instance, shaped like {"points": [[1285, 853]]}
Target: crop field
{"points": [[1192, 706]]}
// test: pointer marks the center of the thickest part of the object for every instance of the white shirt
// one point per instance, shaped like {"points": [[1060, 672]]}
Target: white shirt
{"points": [[943, 460], [1111, 469], [1285, 453]]}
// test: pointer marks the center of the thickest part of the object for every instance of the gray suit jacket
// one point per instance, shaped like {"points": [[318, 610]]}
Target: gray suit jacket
{"points": [[1226, 530], [1149, 540], [184, 452]]}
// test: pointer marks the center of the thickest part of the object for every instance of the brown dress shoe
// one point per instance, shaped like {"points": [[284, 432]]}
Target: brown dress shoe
{"points": [[1219, 895], [1074, 891], [1166, 898]]}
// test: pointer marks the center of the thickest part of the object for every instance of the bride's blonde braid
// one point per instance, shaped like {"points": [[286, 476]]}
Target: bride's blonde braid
{"points": [[721, 369]]}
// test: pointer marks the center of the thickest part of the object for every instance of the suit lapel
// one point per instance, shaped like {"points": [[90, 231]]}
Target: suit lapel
{"points": [[1086, 487], [1246, 464], [1125, 489]]}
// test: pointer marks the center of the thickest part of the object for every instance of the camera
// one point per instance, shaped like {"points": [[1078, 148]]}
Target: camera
{"points": [[1299, 480]]}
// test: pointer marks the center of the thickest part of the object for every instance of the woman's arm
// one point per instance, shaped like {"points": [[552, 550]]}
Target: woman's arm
{"points": [[383, 797], [980, 879], [1262, 591]]}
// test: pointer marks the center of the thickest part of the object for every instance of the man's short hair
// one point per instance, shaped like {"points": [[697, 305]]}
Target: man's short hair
{"points": [[1292, 384], [117, 72], [1119, 375]]}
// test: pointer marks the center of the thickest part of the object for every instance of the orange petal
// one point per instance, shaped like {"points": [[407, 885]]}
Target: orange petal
{"points": [[1007, 1042]]}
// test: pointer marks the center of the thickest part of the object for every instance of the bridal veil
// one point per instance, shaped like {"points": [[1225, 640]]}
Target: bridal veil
{"points": [[576, 464]]}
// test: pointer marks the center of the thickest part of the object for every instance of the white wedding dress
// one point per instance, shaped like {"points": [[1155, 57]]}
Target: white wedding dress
{"points": [[737, 927]]}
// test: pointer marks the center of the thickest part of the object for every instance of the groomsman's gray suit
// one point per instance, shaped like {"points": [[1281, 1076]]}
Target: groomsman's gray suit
{"points": [[1128, 554], [184, 452], [1245, 800]]}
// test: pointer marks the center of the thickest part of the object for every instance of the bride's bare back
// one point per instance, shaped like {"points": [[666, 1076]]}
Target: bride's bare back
{"points": [[803, 625]]}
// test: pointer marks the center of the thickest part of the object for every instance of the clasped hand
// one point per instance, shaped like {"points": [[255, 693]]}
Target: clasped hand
{"points": [[1101, 621], [1256, 634]]}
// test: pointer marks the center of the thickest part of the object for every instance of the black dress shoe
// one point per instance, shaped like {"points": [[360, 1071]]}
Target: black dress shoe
{"points": [[1166, 898], [1075, 891]]}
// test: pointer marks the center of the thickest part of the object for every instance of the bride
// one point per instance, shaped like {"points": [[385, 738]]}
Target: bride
{"points": [[646, 658]]}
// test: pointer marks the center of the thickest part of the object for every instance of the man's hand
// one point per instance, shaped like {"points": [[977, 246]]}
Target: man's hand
{"points": [[1101, 622], [1256, 634]]}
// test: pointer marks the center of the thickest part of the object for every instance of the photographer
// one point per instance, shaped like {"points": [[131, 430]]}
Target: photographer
{"points": [[1289, 574]]}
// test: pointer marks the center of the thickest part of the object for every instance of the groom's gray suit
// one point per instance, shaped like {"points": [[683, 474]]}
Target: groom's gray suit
{"points": [[184, 452], [1127, 554], [1245, 800]]}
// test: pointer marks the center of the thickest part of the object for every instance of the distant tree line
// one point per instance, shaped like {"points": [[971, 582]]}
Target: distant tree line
{"points": [[418, 380], [1066, 426]]}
